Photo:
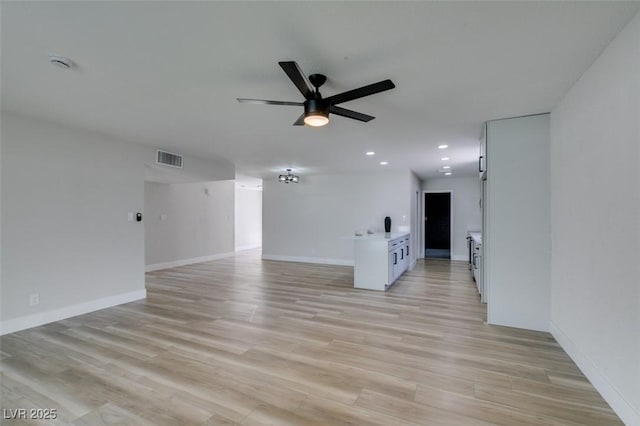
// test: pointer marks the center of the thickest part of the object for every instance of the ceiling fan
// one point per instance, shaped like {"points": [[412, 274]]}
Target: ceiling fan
{"points": [[317, 108]]}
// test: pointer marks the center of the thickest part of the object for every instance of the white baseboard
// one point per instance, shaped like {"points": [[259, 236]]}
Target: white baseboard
{"points": [[34, 320], [598, 379], [320, 260], [460, 257], [182, 262], [255, 246]]}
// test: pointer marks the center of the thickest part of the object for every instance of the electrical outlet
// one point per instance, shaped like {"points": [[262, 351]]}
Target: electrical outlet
{"points": [[34, 299]]}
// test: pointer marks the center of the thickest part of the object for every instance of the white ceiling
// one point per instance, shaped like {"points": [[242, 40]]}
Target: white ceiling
{"points": [[167, 73]]}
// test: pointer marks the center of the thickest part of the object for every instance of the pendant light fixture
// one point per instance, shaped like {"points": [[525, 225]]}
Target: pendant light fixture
{"points": [[288, 178]]}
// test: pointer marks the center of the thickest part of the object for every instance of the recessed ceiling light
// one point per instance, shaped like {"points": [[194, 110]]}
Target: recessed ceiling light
{"points": [[443, 146], [446, 167], [445, 158], [448, 174], [384, 163], [61, 62], [370, 153]]}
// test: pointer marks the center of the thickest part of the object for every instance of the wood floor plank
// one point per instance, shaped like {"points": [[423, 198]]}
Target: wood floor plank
{"points": [[560, 409], [245, 341], [484, 410], [414, 412]]}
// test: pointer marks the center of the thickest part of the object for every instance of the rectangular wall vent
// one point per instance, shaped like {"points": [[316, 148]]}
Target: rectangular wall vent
{"points": [[169, 159]]}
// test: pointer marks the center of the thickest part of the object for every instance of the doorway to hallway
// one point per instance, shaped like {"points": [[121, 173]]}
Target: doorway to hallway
{"points": [[437, 229]]}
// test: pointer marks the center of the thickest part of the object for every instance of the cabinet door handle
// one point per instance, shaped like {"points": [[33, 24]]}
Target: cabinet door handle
{"points": [[395, 258], [407, 250], [402, 253], [480, 164], [474, 259]]}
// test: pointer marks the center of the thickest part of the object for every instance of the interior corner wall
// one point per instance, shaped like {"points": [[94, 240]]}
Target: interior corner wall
{"points": [[248, 218], [465, 210], [316, 219], [188, 223], [66, 195], [595, 219]]}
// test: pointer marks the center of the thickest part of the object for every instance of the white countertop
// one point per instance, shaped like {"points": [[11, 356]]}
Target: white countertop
{"points": [[382, 236], [476, 236]]}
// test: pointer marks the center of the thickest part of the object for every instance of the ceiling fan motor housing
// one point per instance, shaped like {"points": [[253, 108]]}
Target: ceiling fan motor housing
{"points": [[316, 107]]}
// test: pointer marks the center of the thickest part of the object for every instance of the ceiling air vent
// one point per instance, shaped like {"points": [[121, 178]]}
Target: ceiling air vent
{"points": [[169, 159]]}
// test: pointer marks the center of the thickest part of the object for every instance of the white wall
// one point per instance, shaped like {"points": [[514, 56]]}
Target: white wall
{"points": [[66, 195], [315, 220], [187, 223], [517, 243], [465, 210], [595, 219], [65, 236], [248, 218]]}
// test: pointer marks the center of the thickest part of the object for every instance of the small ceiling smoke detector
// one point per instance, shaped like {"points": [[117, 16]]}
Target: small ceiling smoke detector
{"points": [[61, 62]]}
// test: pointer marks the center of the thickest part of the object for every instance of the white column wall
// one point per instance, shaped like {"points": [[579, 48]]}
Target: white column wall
{"points": [[595, 220]]}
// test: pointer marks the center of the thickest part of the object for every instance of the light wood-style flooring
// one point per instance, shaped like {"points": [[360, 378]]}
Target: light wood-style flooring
{"points": [[245, 341]]}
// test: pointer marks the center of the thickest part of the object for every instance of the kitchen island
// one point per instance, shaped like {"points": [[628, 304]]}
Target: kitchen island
{"points": [[380, 259]]}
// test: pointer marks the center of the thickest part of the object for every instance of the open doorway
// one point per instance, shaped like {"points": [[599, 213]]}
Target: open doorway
{"points": [[437, 229], [248, 213]]}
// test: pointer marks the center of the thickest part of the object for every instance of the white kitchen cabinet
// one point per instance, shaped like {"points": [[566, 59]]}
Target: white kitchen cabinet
{"points": [[516, 245], [380, 259], [474, 241]]}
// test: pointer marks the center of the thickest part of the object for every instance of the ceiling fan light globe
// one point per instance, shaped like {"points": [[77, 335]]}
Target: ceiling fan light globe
{"points": [[316, 120], [294, 179]]}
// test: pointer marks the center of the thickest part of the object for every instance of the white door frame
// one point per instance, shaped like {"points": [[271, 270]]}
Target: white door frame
{"points": [[424, 212]]}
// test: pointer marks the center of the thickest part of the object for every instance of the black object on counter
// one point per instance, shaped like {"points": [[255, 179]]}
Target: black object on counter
{"points": [[387, 224]]}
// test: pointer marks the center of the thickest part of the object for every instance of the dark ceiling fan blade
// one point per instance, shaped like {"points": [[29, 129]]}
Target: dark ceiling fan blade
{"points": [[299, 121], [333, 109], [295, 74], [265, 102], [361, 92]]}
